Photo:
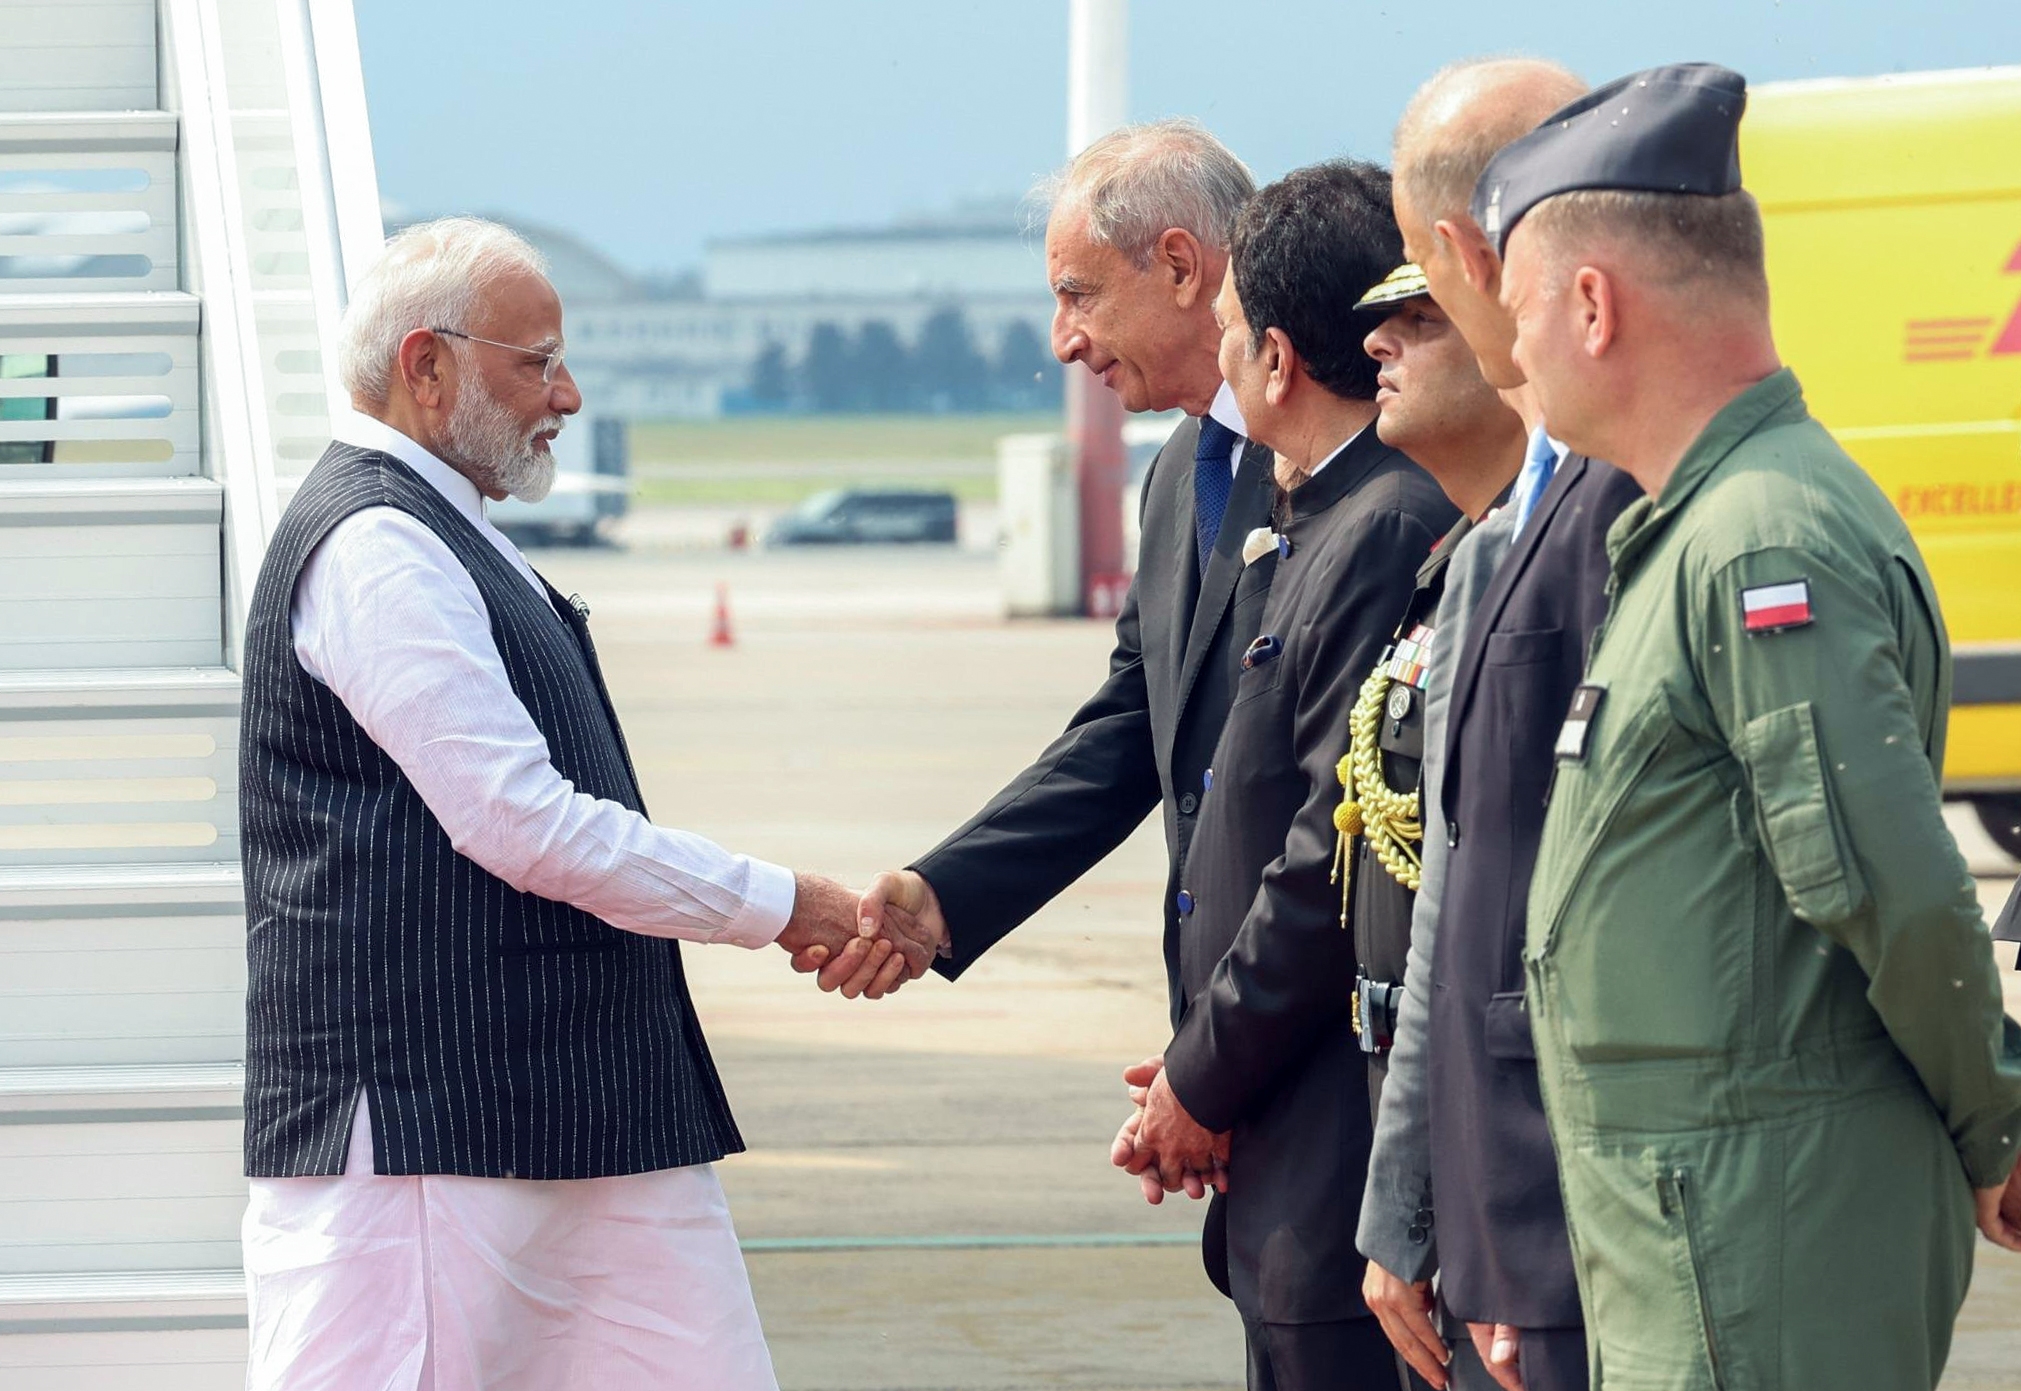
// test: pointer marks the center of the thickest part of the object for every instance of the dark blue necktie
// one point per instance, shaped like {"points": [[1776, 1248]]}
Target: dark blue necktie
{"points": [[1213, 479]]}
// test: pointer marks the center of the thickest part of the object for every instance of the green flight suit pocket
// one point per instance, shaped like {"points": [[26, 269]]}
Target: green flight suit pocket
{"points": [[1678, 1249], [1793, 805]]}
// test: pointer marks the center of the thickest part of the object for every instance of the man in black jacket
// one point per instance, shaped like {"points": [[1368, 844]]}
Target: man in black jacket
{"points": [[1265, 1053], [1136, 248]]}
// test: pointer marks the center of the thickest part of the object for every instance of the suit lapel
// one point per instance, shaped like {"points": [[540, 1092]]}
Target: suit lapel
{"points": [[1496, 597], [1185, 599], [1248, 508]]}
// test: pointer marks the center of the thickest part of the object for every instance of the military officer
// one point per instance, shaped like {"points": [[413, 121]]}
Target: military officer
{"points": [[1767, 1022], [1435, 406]]}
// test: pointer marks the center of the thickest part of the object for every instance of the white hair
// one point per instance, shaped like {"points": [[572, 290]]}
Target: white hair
{"points": [[429, 276], [1138, 181]]}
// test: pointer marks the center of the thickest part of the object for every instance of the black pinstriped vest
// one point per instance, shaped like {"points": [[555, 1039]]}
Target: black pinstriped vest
{"points": [[494, 1032]]}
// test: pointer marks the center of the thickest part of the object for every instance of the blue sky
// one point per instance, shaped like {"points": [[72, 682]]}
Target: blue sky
{"points": [[650, 126]]}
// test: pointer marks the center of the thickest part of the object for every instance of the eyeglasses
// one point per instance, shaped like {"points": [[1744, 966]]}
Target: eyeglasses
{"points": [[550, 362]]}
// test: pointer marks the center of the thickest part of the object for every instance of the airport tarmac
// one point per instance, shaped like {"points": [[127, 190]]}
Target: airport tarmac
{"points": [[927, 1201]]}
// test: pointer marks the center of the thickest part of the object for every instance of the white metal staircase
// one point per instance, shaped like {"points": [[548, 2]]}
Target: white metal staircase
{"points": [[180, 182]]}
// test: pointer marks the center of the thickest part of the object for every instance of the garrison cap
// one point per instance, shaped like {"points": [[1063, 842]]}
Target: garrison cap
{"points": [[1672, 129], [1405, 282]]}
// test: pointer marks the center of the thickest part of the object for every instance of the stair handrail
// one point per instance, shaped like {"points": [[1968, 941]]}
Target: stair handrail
{"points": [[353, 170], [336, 175], [217, 266]]}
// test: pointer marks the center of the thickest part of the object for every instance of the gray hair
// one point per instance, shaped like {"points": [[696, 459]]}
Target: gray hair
{"points": [[430, 276], [1138, 181], [1462, 117]]}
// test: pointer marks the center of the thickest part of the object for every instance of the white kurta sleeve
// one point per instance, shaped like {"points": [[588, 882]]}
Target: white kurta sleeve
{"points": [[387, 617]]}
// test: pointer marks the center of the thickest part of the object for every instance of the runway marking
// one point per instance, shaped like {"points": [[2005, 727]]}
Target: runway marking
{"points": [[774, 1244]]}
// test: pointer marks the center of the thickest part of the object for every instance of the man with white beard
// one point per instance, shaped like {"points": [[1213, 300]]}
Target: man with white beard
{"points": [[480, 1113]]}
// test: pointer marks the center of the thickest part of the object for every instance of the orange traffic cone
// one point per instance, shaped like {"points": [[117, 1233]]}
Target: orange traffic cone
{"points": [[720, 635]]}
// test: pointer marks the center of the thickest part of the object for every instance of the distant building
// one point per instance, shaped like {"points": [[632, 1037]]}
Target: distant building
{"points": [[981, 251], [693, 347]]}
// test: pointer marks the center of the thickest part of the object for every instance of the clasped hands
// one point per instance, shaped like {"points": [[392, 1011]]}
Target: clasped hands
{"points": [[1167, 1150], [867, 944]]}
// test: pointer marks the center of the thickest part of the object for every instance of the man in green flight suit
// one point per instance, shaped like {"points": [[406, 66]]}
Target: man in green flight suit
{"points": [[1766, 1015]]}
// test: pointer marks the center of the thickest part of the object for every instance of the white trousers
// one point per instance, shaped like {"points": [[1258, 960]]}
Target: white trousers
{"points": [[374, 1283]]}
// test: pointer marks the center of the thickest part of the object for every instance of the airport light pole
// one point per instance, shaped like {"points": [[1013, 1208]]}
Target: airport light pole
{"points": [[1098, 95]]}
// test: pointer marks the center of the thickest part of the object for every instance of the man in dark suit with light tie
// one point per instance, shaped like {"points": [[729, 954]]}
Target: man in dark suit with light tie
{"points": [[1136, 247]]}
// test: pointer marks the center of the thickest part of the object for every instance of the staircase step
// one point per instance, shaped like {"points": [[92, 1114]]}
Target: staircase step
{"points": [[63, 132], [104, 573], [129, 1356], [116, 767], [106, 955], [120, 1168], [100, 192], [98, 1296], [102, 964], [163, 1330], [156, 1090], [106, 501], [162, 976], [167, 691], [25, 891], [94, 315], [122, 373], [78, 55], [62, 729]]}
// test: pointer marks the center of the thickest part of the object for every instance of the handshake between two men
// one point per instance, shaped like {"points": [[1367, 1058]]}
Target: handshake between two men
{"points": [[899, 929]]}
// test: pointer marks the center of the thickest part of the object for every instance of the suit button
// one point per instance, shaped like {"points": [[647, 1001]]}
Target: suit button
{"points": [[1185, 903], [1188, 804], [1207, 781]]}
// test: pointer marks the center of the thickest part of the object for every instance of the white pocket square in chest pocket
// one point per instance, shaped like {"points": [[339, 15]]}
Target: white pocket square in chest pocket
{"points": [[1259, 543]]}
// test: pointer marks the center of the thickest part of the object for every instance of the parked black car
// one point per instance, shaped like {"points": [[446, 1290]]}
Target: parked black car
{"points": [[855, 516]]}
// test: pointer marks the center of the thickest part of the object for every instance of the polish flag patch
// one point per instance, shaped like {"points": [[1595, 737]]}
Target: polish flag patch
{"points": [[1770, 608]]}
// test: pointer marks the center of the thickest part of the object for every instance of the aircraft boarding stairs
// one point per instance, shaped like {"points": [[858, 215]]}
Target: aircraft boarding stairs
{"points": [[165, 288]]}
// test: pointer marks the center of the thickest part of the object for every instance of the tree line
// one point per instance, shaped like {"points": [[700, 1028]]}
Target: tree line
{"points": [[872, 369]]}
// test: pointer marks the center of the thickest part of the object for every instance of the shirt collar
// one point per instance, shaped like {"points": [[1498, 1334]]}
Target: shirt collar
{"points": [[1227, 412], [1558, 447], [367, 432], [1344, 470], [1771, 401], [1344, 444]]}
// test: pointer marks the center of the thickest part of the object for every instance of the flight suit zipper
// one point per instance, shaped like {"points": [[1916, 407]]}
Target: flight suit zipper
{"points": [[1673, 1191], [1600, 631]]}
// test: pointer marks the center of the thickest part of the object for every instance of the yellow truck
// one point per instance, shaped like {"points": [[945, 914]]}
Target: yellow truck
{"points": [[1893, 213]]}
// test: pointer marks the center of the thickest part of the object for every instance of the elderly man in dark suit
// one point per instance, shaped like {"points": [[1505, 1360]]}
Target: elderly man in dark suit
{"points": [[1136, 249], [1265, 1065]]}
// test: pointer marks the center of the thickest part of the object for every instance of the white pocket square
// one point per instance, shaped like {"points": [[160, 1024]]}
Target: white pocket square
{"points": [[1259, 543]]}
